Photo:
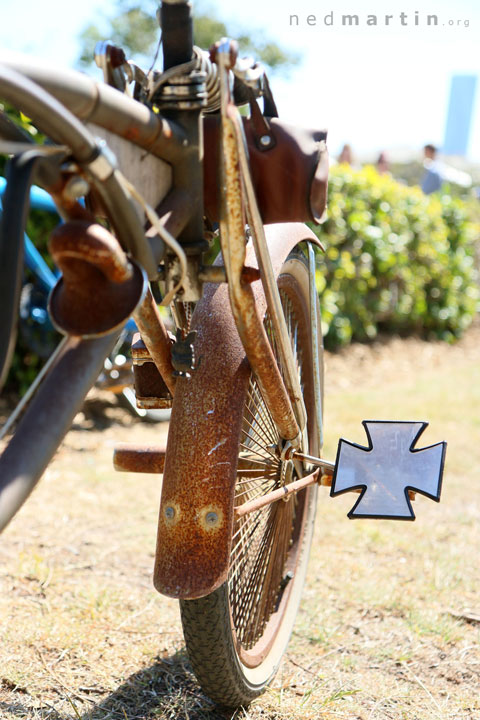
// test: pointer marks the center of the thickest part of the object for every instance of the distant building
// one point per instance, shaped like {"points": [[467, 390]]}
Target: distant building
{"points": [[459, 117]]}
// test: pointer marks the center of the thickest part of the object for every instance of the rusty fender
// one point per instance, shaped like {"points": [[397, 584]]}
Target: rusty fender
{"points": [[196, 511]]}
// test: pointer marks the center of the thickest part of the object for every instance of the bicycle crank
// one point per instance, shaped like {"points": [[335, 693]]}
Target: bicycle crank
{"points": [[387, 473]]}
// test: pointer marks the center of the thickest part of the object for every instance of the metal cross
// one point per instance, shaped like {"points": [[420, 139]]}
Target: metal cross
{"points": [[387, 469], [183, 354]]}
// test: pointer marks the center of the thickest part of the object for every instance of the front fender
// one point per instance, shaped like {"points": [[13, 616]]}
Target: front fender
{"points": [[196, 510]]}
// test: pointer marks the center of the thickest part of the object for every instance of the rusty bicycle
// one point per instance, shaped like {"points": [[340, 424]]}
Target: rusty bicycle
{"points": [[165, 167]]}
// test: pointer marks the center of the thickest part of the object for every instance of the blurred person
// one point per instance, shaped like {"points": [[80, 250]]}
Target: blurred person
{"points": [[436, 173], [346, 156], [432, 179], [383, 166]]}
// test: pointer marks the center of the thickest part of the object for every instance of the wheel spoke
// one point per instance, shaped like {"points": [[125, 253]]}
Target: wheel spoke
{"points": [[261, 540]]}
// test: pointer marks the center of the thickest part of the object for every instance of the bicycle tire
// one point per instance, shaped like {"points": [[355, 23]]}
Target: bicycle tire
{"points": [[236, 637]]}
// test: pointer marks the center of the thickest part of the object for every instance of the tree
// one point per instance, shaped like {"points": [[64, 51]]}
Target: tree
{"points": [[134, 28]]}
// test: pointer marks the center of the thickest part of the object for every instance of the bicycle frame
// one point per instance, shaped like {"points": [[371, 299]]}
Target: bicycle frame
{"points": [[246, 423], [172, 137]]}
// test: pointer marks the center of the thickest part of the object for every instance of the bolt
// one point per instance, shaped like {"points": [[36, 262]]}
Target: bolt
{"points": [[75, 188], [211, 518], [225, 45], [265, 140], [169, 512], [274, 449], [116, 56]]}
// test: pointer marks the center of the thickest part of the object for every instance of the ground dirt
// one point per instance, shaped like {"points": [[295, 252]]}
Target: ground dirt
{"points": [[389, 623]]}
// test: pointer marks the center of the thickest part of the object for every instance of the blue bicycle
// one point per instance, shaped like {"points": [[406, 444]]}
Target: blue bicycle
{"points": [[39, 334]]}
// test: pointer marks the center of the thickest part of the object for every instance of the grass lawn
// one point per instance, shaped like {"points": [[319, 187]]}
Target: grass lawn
{"points": [[387, 624]]}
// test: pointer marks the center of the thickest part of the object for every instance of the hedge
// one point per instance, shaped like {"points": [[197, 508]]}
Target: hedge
{"points": [[396, 261]]}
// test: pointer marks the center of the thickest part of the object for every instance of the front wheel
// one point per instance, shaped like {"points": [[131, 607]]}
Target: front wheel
{"points": [[236, 636]]}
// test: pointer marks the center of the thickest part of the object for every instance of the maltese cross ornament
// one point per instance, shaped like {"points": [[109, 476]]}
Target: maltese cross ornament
{"points": [[387, 469]]}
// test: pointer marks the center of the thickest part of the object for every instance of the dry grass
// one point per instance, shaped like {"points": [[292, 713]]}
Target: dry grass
{"points": [[85, 636]]}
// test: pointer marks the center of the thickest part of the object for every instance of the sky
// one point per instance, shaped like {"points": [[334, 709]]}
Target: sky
{"points": [[382, 87]]}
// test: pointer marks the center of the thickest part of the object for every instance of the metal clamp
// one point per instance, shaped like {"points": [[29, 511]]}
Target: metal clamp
{"points": [[104, 164]]}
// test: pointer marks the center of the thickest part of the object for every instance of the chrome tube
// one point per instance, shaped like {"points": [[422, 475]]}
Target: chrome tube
{"points": [[317, 347], [47, 420]]}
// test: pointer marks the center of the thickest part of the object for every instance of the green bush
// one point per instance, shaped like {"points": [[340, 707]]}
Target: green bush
{"points": [[397, 261]]}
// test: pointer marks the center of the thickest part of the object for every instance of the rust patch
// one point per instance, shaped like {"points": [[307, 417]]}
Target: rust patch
{"points": [[132, 134], [277, 495], [99, 288], [153, 403], [211, 518], [250, 274]]}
